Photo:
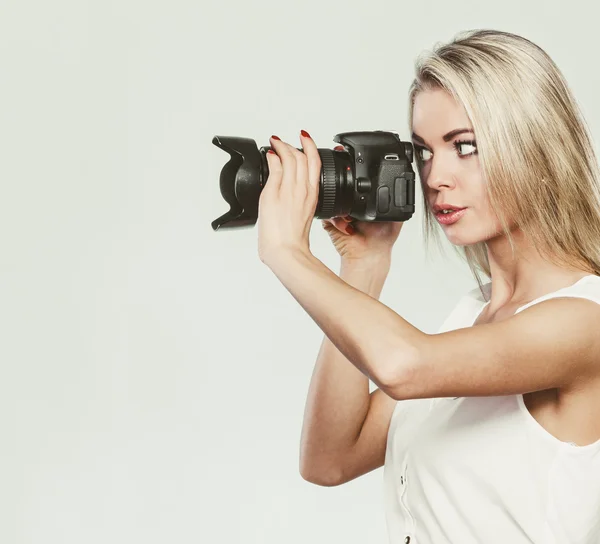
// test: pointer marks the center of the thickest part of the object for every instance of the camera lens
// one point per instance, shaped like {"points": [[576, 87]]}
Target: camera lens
{"points": [[336, 187]]}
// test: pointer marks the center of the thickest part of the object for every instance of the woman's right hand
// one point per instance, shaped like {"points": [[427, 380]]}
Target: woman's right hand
{"points": [[364, 239], [367, 239]]}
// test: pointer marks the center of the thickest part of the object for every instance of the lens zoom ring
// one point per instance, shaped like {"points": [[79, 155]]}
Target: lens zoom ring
{"points": [[329, 184]]}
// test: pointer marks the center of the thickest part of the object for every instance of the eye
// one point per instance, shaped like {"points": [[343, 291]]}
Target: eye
{"points": [[423, 153], [462, 144]]}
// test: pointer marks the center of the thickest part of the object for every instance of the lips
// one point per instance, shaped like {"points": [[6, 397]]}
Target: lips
{"points": [[451, 217], [439, 207]]}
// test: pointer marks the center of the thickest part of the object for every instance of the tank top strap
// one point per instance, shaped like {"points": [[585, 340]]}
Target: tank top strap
{"points": [[586, 287]]}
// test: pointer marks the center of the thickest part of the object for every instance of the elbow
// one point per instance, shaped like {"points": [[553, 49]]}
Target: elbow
{"points": [[323, 477], [322, 481], [399, 373]]}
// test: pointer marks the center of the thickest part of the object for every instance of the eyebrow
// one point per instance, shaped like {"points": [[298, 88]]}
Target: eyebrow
{"points": [[446, 137]]}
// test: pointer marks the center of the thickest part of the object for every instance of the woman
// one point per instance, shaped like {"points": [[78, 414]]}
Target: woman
{"points": [[489, 431]]}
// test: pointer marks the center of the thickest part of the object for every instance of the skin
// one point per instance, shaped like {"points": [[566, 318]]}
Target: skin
{"points": [[452, 176]]}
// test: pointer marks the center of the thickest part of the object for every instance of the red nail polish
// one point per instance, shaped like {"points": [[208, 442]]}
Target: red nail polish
{"points": [[276, 137], [305, 134], [350, 229], [272, 152]]}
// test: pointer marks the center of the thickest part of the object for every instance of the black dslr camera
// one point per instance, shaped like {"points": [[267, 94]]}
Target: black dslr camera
{"points": [[372, 180]]}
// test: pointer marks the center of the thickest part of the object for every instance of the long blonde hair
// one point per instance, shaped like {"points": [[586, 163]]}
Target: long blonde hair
{"points": [[534, 146]]}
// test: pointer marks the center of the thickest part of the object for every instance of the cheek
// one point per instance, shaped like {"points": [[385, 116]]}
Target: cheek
{"points": [[488, 221], [484, 211], [487, 211]]}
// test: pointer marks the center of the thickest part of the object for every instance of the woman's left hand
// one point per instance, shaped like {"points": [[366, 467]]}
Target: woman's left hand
{"points": [[288, 201]]}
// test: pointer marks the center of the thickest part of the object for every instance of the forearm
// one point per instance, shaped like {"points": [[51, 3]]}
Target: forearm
{"points": [[376, 340], [338, 396]]}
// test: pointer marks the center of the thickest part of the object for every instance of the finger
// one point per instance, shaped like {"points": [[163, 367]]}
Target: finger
{"points": [[288, 163], [273, 183], [339, 148], [314, 160], [302, 188], [341, 225], [329, 226], [297, 184]]}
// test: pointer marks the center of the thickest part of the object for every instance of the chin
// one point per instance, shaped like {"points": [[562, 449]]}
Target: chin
{"points": [[462, 243], [467, 238], [465, 234]]}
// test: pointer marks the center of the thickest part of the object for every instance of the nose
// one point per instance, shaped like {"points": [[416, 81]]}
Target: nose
{"points": [[439, 175]]}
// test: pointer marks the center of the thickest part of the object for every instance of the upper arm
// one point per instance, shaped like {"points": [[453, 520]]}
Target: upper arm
{"points": [[368, 452], [551, 344]]}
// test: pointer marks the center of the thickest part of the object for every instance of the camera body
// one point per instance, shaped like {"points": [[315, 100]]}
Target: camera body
{"points": [[371, 180], [381, 177]]}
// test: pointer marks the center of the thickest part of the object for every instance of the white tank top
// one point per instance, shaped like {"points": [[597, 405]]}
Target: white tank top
{"points": [[482, 470]]}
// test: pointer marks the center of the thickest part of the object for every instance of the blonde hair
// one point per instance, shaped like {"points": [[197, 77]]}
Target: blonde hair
{"points": [[534, 146]]}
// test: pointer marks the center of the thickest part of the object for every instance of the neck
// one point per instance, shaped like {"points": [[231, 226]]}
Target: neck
{"points": [[525, 276]]}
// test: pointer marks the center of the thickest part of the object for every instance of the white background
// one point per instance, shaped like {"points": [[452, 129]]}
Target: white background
{"points": [[154, 372]]}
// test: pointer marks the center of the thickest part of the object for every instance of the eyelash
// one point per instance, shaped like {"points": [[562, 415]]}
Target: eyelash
{"points": [[456, 144]]}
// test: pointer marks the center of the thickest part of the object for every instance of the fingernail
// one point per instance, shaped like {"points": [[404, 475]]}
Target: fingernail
{"points": [[276, 137], [272, 152], [305, 134], [339, 148], [350, 229]]}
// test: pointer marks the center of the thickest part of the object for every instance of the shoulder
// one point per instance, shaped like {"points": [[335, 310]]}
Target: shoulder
{"points": [[587, 287]]}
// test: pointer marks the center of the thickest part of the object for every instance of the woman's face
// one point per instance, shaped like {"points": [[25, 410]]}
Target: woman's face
{"points": [[451, 174]]}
